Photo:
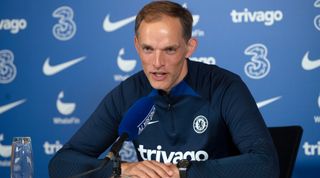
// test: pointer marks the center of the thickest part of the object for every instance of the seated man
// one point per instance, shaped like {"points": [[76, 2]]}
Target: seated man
{"points": [[202, 112]]}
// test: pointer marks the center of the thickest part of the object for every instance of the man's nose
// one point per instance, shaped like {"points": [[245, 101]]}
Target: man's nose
{"points": [[158, 60]]}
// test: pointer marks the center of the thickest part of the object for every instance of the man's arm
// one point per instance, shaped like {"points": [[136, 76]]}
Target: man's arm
{"points": [[80, 153], [258, 157]]}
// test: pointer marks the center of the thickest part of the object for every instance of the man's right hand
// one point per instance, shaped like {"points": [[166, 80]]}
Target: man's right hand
{"points": [[149, 169]]}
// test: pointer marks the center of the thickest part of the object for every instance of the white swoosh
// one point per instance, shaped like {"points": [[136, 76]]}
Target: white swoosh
{"points": [[7, 107], [152, 122], [109, 26], [268, 101], [319, 101], [195, 19], [308, 64], [51, 70]]}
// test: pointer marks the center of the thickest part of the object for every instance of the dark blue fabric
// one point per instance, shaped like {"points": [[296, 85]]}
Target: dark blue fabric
{"points": [[236, 140]]}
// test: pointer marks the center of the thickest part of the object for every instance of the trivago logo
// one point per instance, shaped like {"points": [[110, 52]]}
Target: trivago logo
{"points": [[52, 148], [13, 25], [268, 18], [311, 149], [5, 153], [171, 157]]}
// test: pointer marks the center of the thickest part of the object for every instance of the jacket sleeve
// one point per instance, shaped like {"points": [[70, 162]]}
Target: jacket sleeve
{"points": [[258, 156], [81, 152]]}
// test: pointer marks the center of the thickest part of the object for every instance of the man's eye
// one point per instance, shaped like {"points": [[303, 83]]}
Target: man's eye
{"points": [[147, 49], [170, 50]]}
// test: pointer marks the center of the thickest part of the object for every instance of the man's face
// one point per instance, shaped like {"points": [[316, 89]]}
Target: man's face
{"points": [[162, 50]]}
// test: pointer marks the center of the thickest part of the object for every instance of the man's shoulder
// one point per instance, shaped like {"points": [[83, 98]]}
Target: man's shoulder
{"points": [[212, 73]]}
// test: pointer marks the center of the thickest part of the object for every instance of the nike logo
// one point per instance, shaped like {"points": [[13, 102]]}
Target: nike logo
{"points": [[52, 70], [152, 122], [308, 64], [268, 101], [109, 26], [9, 106]]}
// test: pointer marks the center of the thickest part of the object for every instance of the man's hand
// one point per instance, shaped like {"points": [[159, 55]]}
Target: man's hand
{"points": [[149, 169]]}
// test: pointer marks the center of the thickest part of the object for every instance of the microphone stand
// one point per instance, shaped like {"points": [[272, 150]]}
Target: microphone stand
{"points": [[113, 154], [116, 170]]}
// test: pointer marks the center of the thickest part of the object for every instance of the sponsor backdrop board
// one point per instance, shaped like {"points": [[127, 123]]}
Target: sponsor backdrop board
{"points": [[59, 58]]}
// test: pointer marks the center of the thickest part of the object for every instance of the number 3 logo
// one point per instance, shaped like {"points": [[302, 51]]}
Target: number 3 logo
{"points": [[316, 20], [66, 28]]}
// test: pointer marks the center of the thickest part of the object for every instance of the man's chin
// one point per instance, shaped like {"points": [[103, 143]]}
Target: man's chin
{"points": [[158, 87]]}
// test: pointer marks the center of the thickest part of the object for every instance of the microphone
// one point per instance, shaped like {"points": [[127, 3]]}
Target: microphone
{"points": [[134, 122]]}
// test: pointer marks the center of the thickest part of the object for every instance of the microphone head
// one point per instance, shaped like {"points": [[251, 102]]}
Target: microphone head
{"points": [[137, 117]]}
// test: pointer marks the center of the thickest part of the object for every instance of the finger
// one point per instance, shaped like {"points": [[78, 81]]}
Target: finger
{"points": [[133, 170], [151, 170], [167, 168]]}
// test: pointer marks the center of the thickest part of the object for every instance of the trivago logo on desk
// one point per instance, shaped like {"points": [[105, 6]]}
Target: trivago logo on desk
{"points": [[172, 157]]}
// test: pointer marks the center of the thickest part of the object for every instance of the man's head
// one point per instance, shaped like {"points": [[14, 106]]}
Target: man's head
{"points": [[163, 41], [155, 10]]}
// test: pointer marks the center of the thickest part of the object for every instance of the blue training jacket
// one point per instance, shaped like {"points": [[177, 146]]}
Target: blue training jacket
{"points": [[209, 118]]}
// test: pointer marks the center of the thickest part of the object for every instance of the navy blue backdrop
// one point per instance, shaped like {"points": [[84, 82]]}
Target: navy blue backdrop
{"points": [[59, 58]]}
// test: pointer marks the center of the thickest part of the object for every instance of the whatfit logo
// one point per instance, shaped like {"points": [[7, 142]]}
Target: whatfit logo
{"points": [[13, 25], [5, 153], [171, 157], [125, 65], [268, 18], [66, 109]]}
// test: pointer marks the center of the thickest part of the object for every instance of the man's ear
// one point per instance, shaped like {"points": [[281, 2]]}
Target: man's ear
{"points": [[192, 45], [136, 43]]}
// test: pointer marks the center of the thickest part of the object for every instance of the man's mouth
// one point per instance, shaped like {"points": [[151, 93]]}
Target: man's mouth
{"points": [[158, 75]]}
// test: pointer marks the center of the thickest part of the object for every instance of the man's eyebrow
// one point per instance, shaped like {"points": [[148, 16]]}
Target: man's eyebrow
{"points": [[146, 46], [174, 46]]}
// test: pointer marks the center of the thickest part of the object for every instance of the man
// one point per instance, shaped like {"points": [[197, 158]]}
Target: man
{"points": [[203, 113]]}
